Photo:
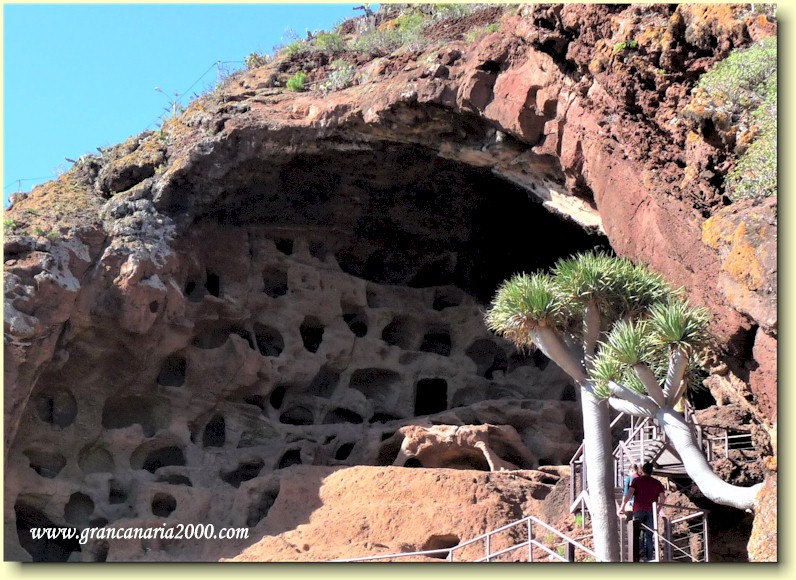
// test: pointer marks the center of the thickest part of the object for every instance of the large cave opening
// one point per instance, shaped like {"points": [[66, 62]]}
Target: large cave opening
{"points": [[400, 214], [355, 281]]}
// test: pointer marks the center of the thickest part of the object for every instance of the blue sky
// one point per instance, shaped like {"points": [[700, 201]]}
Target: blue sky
{"points": [[78, 77]]}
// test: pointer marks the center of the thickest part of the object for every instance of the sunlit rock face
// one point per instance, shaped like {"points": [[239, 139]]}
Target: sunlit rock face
{"points": [[285, 278], [291, 331]]}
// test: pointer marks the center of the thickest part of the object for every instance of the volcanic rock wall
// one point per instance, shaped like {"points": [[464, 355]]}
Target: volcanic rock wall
{"points": [[261, 353], [278, 278]]}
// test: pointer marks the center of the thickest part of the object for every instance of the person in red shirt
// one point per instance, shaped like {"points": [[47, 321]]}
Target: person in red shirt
{"points": [[646, 490]]}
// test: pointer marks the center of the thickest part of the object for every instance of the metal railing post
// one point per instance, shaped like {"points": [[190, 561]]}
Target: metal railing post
{"points": [[667, 534], [530, 538], [655, 531], [705, 536], [488, 548], [633, 527]]}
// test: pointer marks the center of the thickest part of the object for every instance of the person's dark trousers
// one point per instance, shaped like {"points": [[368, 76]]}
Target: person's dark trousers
{"points": [[646, 541]]}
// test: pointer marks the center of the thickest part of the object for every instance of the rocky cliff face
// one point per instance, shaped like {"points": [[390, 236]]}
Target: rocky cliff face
{"points": [[281, 278]]}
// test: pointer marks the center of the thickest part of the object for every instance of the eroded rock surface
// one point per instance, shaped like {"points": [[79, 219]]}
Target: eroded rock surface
{"points": [[278, 279], [252, 350], [376, 511]]}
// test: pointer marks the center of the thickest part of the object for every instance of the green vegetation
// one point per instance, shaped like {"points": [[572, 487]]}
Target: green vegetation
{"points": [[296, 47], [739, 95], [481, 31], [330, 42], [9, 224], [39, 231], [446, 11], [755, 174], [340, 77], [255, 60], [297, 81], [405, 30], [626, 338], [626, 45]]}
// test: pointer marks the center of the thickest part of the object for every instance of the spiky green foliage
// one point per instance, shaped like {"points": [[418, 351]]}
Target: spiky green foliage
{"points": [[617, 285], [669, 325], [585, 277], [603, 371], [677, 324], [635, 288], [523, 303], [643, 317], [628, 342]]}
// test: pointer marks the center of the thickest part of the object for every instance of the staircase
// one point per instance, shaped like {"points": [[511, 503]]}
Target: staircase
{"points": [[526, 540], [681, 532]]}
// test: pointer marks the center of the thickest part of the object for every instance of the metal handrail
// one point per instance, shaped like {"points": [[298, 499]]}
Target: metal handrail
{"points": [[582, 500], [576, 459], [662, 538], [530, 542]]}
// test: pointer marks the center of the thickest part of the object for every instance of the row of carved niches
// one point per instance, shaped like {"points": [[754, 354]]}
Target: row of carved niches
{"points": [[269, 355]]}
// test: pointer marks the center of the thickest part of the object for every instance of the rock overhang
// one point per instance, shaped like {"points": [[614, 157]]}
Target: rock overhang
{"points": [[429, 208], [212, 173]]}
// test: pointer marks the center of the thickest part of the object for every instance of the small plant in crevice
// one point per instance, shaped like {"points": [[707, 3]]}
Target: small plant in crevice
{"points": [[9, 224], [626, 45], [297, 81]]}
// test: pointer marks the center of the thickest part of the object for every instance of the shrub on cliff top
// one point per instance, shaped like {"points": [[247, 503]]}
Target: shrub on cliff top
{"points": [[739, 95], [330, 42], [755, 174], [404, 30], [740, 82]]}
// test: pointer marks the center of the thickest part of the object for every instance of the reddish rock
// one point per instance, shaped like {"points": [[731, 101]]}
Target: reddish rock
{"points": [[745, 236], [763, 377], [384, 511], [443, 446], [359, 232], [763, 543]]}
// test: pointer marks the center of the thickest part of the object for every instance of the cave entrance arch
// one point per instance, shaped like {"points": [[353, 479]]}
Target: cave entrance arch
{"points": [[398, 214]]}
